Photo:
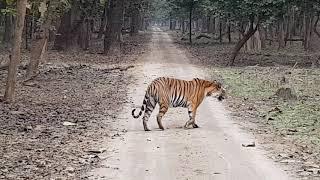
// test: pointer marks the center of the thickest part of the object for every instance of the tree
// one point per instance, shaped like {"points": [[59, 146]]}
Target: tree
{"points": [[75, 29], [7, 9], [15, 56], [251, 13], [47, 13], [104, 19], [113, 35]]}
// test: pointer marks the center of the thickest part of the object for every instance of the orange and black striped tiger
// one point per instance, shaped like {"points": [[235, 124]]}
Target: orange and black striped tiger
{"points": [[170, 92]]}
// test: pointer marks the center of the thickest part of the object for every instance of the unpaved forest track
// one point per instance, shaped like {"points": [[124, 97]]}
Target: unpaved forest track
{"points": [[212, 151]]}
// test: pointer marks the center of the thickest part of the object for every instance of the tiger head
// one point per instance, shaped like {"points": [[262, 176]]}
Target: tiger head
{"points": [[215, 89]]}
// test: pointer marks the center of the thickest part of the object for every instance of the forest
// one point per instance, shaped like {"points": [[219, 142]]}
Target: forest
{"points": [[69, 70]]}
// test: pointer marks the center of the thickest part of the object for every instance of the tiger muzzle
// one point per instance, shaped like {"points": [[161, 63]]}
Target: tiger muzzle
{"points": [[220, 98], [222, 95]]}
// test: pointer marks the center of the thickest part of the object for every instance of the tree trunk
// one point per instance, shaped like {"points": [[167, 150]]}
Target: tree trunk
{"points": [[9, 29], [307, 30], [135, 21], [197, 25], [281, 34], [220, 30], [190, 23], [244, 39], [15, 56], [38, 49], [183, 26], [39, 44], [69, 28], [263, 36], [104, 19], [204, 27], [316, 25], [290, 25], [254, 42], [113, 35], [208, 24], [229, 30], [174, 24], [85, 35], [271, 34]]}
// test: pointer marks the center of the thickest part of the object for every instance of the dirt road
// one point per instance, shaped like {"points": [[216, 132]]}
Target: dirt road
{"points": [[212, 151]]}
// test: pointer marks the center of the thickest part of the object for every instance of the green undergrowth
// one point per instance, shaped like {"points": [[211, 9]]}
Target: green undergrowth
{"points": [[256, 86]]}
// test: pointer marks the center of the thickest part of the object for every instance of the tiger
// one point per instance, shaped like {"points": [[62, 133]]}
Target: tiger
{"points": [[171, 92]]}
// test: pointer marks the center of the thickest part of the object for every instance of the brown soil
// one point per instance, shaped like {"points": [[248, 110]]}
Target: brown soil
{"points": [[36, 141]]}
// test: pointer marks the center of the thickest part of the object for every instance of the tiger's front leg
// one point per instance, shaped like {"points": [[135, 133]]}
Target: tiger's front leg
{"points": [[192, 115]]}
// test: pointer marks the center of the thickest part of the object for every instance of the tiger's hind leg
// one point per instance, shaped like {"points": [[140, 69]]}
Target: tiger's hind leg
{"points": [[162, 111], [150, 104]]}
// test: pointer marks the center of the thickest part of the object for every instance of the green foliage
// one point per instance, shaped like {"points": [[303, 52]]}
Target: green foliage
{"points": [[245, 9], [7, 7], [8, 11], [166, 9], [161, 9]]}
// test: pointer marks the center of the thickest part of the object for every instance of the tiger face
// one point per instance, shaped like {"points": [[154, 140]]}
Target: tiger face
{"points": [[215, 89]]}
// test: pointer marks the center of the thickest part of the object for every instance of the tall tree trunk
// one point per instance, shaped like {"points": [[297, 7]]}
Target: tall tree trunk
{"points": [[170, 22], [263, 36], [39, 44], [85, 35], [197, 25], [316, 25], [204, 22], [220, 30], [289, 25], [69, 28], [271, 36], [9, 29], [254, 42], [307, 30], [135, 21], [104, 19], [229, 30], [244, 39], [190, 23], [113, 35], [183, 26], [213, 25], [15, 56], [174, 24], [208, 24], [281, 34]]}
